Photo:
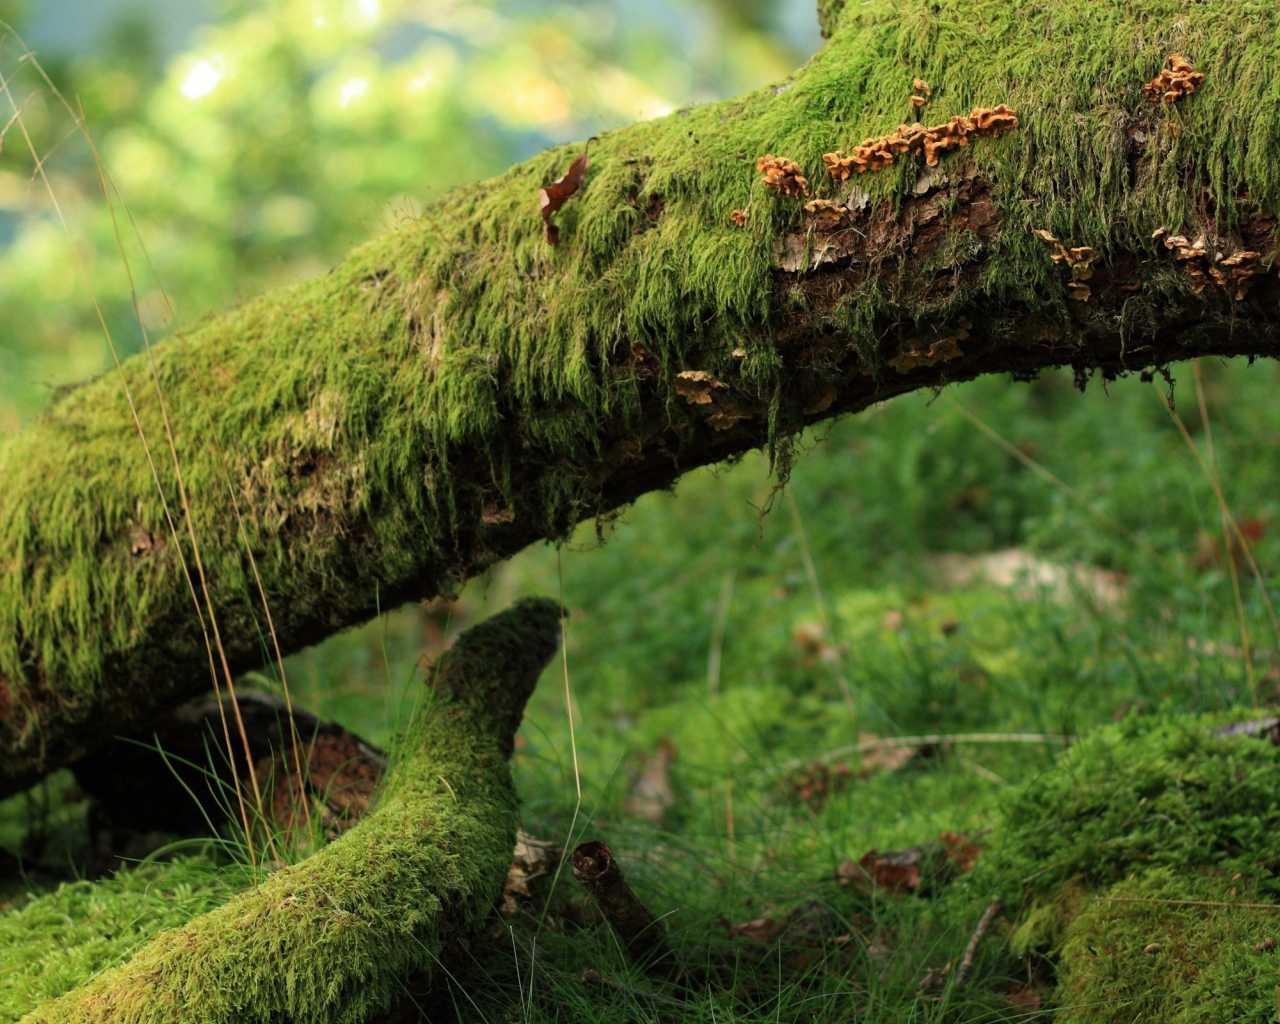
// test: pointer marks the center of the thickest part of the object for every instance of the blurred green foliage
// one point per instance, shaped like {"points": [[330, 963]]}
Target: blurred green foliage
{"points": [[292, 130]]}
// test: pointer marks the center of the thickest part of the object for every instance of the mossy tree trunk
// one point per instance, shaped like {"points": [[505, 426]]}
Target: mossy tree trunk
{"points": [[459, 389]]}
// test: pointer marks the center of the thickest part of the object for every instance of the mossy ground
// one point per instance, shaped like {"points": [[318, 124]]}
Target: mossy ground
{"points": [[879, 498]]}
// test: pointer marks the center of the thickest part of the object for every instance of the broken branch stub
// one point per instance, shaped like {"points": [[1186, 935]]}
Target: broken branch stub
{"points": [[642, 934]]}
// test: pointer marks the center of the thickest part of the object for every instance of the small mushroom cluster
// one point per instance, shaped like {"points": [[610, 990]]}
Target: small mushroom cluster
{"points": [[698, 387], [1207, 266], [931, 351], [876, 154], [783, 174], [825, 216], [1079, 259], [1177, 80], [922, 93]]}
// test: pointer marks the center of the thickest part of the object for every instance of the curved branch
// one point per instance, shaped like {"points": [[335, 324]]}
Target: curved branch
{"points": [[326, 939]]}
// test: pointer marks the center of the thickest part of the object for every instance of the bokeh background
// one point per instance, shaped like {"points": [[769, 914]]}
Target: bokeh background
{"points": [[1001, 558], [256, 142]]}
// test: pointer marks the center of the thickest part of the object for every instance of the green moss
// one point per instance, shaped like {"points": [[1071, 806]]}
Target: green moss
{"points": [[1166, 962], [51, 943], [1152, 809], [350, 405], [331, 938]]}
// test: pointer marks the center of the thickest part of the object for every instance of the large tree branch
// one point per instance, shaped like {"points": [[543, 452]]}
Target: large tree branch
{"points": [[459, 389]]}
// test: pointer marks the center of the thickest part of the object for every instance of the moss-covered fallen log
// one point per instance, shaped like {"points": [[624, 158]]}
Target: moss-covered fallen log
{"points": [[459, 388], [332, 937]]}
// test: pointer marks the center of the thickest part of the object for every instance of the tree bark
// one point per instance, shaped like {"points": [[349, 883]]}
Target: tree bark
{"points": [[459, 389]]}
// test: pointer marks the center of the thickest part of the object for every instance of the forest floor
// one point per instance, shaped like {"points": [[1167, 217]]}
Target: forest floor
{"points": [[917, 579]]}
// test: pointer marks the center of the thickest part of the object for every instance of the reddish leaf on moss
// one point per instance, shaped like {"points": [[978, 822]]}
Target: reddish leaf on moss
{"points": [[552, 197], [896, 872], [1025, 999], [960, 849]]}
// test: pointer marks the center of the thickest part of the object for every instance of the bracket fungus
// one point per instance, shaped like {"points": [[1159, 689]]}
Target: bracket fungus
{"points": [[1208, 264], [876, 154], [1079, 259], [696, 386], [783, 174], [1177, 80], [825, 216]]}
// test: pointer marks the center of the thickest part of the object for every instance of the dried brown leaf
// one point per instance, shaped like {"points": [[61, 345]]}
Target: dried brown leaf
{"points": [[761, 931], [961, 850], [652, 794], [552, 197]]}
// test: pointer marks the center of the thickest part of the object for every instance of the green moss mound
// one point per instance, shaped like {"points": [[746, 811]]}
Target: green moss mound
{"points": [[52, 942], [1170, 962], [1160, 809]]}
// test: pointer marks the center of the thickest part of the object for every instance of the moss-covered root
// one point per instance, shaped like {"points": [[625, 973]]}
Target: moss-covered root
{"points": [[328, 939]]}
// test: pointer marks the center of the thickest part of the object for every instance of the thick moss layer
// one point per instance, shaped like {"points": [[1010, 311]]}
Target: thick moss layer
{"points": [[458, 389], [56, 941], [329, 939], [1151, 810]]}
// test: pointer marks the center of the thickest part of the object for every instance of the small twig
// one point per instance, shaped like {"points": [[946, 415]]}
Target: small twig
{"points": [[934, 739], [642, 934], [971, 950], [1189, 903], [592, 977]]}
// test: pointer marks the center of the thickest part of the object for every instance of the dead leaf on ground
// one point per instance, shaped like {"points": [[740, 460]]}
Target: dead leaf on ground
{"points": [[894, 872], [1029, 576], [552, 197], [761, 931], [1209, 545], [652, 794], [811, 639], [1025, 999], [961, 850], [886, 757], [817, 782]]}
